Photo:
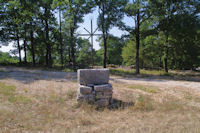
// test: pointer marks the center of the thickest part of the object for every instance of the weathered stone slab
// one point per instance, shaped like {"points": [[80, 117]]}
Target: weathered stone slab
{"points": [[86, 98], [103, 88], [102, 102], [93, 76], [102, 95], [85, 90]]}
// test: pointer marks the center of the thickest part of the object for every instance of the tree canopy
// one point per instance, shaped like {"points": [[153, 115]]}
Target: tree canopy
{"points": [[165, 34]]}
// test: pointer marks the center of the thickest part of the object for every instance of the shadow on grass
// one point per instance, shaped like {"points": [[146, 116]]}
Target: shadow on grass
{"points": [[119, 104], [116, 105]]}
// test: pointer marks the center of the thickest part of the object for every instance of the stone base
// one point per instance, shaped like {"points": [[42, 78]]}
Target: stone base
{"points": [[99, 94]]}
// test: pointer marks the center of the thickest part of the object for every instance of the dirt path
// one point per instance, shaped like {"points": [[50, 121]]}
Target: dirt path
{"points": [[29, 75], [161, 83]]}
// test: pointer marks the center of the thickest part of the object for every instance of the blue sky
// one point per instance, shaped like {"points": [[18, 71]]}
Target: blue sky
{"points": [[86, 24], [114, 31]]}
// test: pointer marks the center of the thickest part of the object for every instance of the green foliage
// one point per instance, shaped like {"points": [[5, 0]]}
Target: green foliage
{"points": [[6, 90], [126, 72], [140, 11], [110, 14], [128, 53], [164, 33], [185, 42], [114, 50], [83, 53], [183, 46], [98, 58], [152, 52], [5, 58], [19, 99]]}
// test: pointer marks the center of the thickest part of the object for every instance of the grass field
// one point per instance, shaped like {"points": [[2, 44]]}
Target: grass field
{"points": [[50, 106], [124, 72]]}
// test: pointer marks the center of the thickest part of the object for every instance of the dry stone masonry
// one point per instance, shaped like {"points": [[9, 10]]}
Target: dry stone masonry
{"points": [[94, 87]]}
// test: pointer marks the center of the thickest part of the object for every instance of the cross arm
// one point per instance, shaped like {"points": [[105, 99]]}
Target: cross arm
{"points": [[95, 30], [84, 35], [97, 34], [87, 30]]}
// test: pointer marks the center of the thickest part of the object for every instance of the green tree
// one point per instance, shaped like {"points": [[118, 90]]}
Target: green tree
{"points": [[165, 10], [185, 39], [47, 18], [128, 52], [6, 58], [58, 4], [4, 32], [109, 15], [73, 14], [114, 50], [152, 51], [29, 12], [83, 52], [13, 23], [140, 11]]}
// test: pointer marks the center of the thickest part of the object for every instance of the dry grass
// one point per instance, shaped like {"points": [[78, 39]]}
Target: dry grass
{"points": [[150, 89], [125, 72], [50, 106]]}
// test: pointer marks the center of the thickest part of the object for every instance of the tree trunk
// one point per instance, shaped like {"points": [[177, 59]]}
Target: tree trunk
{"points": [[69, 56], [72, 28], [32, 45], [105, 51], [50, 55], [104, 38], [19, 49], [72, 49], [61, 46], [166, 55], [160, 59], [47, 38], [47, 56], [137, 43], [25, 51]]}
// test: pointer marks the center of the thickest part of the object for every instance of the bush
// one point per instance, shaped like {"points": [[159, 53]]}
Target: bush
{"points": [[6, 58]]}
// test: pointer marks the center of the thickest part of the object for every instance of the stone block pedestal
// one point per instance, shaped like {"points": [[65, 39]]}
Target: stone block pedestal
{"points": [[94, 87]]}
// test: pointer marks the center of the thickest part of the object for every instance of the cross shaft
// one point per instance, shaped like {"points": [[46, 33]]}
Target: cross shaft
{"points": [[91, 33]]}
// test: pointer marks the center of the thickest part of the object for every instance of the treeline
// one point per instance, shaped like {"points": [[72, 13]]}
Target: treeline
{"points": [[6, 58], [165, 33]]}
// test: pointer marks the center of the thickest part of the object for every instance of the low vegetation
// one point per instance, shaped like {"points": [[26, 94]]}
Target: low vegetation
{"points": [[50, 106], [125, 72], [7, 92], [150, 89], [187, 75], [7, 59]]}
